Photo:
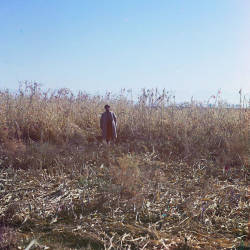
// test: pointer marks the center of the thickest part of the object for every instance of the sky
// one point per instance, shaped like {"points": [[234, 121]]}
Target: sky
{"points": [[189, 47]]}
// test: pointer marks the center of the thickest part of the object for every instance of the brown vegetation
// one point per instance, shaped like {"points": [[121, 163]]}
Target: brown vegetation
{"points": [[176, 177]]}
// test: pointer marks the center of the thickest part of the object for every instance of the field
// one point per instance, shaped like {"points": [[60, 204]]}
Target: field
{"points": [[176, 178]]}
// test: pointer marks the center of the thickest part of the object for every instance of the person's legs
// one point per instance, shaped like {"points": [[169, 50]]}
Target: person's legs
{"points": [[109, 132]]}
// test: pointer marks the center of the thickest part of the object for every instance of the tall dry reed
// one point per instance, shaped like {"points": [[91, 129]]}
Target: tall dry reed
{"points": [[153, 120]]}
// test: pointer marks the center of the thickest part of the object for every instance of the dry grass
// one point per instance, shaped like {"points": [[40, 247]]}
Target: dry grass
{"points": [[60, 117], [176, 178]]}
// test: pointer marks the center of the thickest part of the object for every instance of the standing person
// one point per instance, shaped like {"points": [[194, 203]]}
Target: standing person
{"points": [[108, 125]]}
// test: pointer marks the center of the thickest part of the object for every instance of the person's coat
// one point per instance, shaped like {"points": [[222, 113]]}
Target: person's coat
{"points": [[104, 123]]}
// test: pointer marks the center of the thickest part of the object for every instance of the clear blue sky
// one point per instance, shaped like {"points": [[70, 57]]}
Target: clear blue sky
{"points": [[191, 47]]}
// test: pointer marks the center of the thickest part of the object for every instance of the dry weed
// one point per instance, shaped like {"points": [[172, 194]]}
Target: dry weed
{"points": [[176, 177]]}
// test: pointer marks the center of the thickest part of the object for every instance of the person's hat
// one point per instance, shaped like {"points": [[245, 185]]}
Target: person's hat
{"points": [[106, 106]]}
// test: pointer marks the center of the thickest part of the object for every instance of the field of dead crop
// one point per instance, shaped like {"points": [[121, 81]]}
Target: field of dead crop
{"points": [[176, 178]]}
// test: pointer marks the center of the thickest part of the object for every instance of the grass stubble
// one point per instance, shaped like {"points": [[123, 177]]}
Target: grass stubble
{"points": [[177, 178]]}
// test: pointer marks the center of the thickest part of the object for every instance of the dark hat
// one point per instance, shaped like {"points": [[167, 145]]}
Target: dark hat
{"points": [[106, 106]]}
